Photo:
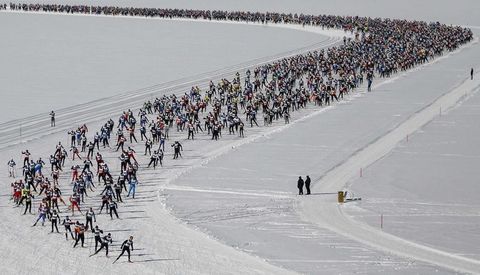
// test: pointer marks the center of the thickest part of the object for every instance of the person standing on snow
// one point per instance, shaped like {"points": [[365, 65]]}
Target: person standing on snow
{"points": [[471, 74], [307, 184], [300, 184], [52, 119], [11, 168]]}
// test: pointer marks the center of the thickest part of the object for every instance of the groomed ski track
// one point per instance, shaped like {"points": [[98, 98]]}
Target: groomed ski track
{"points": [[329, 214], [174, 248], [99, 109], [326, 213]]}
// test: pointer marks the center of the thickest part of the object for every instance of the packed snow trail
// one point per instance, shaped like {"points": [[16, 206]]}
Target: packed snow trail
{"points": [[38, 126], [181, 249], [302, 145], [327, 213], [164, 243]]}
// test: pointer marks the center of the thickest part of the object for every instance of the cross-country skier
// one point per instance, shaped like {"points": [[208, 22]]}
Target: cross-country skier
{"points": [[80, 233], [75, 152], [161, 144], [112, 207], [96, 232], [67, 223], [126, 245], [86, 165], [241, 130], [143, 133], [369, 81], [131, 132], [105, 199], [177, 148], [132, 187], [118, 192], [105, 240], [11, 168], [42, 214], [90, 218], [52, 119], [148, 147], [26, 157], [153, 160], [28, 203], [74, 203], [55, 218]]}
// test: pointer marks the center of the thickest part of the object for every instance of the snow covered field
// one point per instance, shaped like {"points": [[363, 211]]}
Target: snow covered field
{"points": [[428, 183], [56, 61], [254, 208], [313, 147]]}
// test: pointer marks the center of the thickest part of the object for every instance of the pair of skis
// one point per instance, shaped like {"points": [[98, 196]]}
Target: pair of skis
{"points": [[113, 261], [119, 258]]}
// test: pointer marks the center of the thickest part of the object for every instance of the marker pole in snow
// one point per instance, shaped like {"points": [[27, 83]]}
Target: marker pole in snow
{"points": [[381, 221]]}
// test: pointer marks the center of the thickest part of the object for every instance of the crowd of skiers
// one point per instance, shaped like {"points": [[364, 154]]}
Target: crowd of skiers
{"points": [[86, 181], [379, 47], [269, 93]]}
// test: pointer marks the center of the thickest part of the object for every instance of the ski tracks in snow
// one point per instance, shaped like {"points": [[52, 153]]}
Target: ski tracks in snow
{"points": [[165, 235], [329, 214], [325, 213]]}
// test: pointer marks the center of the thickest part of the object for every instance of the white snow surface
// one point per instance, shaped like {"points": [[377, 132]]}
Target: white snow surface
{"points": [[321, 151], [56, 61], [239, 193], [144, 216]]}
